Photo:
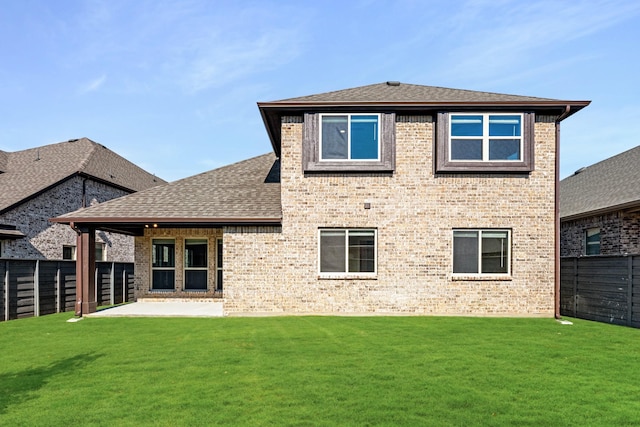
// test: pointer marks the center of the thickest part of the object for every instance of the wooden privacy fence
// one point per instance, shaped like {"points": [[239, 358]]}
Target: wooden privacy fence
{"points": [[601, 288], [31, 288]]}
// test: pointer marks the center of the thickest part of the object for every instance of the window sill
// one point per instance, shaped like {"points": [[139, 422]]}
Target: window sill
{"points": [[349, 166], [481, 278], [161, 291], [351, 276]]}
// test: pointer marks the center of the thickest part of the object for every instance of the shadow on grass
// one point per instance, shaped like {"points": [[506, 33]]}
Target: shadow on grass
{"points": [[19, 387]]}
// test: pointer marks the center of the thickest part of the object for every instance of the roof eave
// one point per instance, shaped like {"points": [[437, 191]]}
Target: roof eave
{"points": [[633, 205]]}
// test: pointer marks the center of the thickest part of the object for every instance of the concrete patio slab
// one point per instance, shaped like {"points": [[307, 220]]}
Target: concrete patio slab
{"points": [[164, 308]]}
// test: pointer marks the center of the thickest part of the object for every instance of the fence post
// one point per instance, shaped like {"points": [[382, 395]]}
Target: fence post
{"points": [[36, 289], [6, 291], [112, 284], [575, 286], [630, 290], [58, 280]]}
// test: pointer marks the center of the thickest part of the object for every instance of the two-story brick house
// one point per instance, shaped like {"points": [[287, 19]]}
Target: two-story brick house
{"points": [[388, 198]]}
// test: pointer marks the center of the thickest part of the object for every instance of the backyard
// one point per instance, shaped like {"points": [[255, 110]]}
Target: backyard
{"points": [[317, 371]]}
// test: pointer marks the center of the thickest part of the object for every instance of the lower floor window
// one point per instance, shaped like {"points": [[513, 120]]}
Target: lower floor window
{"points": [[163, 264], [592, 241], [347, 251], [195, 264], [481, 251], [69, 252]]}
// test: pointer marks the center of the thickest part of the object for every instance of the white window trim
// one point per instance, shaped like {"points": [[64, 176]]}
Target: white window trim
{"points": [[346, 274], [185, 268], [349, 159], [481, 275], [485, 137]]}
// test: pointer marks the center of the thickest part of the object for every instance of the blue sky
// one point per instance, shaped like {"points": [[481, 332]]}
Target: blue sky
{"points": [[173, 85]]}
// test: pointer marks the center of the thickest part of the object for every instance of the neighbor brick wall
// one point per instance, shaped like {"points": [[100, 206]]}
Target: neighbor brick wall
{"points": [[414, 211], [45, 239], [619, 234]]}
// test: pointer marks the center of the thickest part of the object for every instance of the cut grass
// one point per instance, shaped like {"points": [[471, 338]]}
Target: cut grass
{"points": [[317, 371]]}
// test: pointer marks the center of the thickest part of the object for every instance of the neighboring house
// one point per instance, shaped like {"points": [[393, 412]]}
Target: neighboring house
{"points": [[387, 198], [600, 208], [44, 182]]}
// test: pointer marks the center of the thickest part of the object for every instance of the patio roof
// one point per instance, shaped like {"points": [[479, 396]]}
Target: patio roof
{"points": [[244, 193]]}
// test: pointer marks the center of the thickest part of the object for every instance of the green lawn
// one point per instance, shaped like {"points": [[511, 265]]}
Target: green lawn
{"points": [[317, 371]]}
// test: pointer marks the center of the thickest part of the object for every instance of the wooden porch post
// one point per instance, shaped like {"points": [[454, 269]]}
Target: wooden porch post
{"points": [[85, 271]]}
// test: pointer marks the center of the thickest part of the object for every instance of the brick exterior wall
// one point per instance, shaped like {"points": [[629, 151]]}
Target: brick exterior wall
{"points": [[414, 212], [44, 240], [619, 234]]}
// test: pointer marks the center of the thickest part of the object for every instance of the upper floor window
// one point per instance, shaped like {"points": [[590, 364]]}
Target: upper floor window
{"points": [[592, 241], [485, 137], [349, 137], [485, 142], [348, 142]]}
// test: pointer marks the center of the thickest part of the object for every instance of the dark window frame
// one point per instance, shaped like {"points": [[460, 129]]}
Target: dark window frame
{"points": [[443, 164], [163, 274], [311, 158]]}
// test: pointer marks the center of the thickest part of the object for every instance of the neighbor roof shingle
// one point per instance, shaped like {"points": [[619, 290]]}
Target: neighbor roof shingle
{"points": [[609, 185], [29, 172]]}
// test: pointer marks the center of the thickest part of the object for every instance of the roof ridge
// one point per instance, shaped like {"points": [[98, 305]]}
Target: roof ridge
{"points": [[84, 162]]}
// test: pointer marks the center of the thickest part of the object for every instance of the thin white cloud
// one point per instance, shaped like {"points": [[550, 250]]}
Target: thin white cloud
{"points": [[93, 85], [514, 32]]}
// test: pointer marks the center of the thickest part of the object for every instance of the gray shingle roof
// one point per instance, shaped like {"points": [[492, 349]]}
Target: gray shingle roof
{"points": [[3, 161], [244, 192], [605, 186], [403, 92], [29, 172]]}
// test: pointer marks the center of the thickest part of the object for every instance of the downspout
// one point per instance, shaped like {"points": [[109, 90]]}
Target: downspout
{"points": [[556, 273]]}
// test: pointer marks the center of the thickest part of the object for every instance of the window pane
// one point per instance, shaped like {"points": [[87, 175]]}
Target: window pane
{"points": [[332, 252], [466, 149], [163, 253], [195, 279], [163, 279], [504, 149], [195, 253], [465, 252], [593, 241], [334, 137], [362, 251], [466, 125], [495, 252], [504, 125], [99, 251], [364, 137]]}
